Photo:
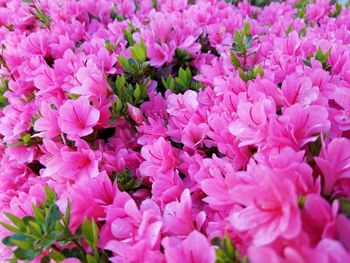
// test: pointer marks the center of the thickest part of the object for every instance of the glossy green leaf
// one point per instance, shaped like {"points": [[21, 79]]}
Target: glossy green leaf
{"points": [[234, 60], [52, 217], [90, 232], [49, 195], [26, 254], [15, 220]]}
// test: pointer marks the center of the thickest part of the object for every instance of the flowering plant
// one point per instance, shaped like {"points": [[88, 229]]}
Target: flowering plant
{"points": [[174, 131]]}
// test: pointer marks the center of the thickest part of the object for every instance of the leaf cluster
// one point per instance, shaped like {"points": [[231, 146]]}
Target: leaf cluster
{"points": [[226, 252], [126, 181], [47, 230], [184, 81]]}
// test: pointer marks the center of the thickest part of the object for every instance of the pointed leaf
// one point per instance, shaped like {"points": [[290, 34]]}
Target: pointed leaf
{"points": [[15, 220]]}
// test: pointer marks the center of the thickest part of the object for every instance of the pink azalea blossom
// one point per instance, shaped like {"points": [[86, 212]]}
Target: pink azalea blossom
{"points": [[269, 208], [254, 150], [77, 117], [194, 249], [334, 164]]}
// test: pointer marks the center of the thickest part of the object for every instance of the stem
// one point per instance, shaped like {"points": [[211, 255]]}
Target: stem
{"points": [[55, 248]]}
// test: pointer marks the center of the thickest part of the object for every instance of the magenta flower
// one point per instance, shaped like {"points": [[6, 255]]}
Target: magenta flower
{"points": [[47, 124], [194, 249], [334, 163], [269, 208], [252, 145], [193, 135], [178, 215], [77, 117], [159, 158]]}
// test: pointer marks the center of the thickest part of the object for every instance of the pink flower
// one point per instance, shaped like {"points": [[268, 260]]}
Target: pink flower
{"points": [[92, 81], [135, 114], [159, 158], [342, 117], [318, 217], [334, 163], [193, 135], [299, 90], [194, 249], [299, 126], [161, 26], [77, 117], [251, 125], [159, 54], [269, 208], [330, 251], [64, 164], [167, 187], [89, 199], [178, 215], [47, 124], [262, 255], [132, 232]]}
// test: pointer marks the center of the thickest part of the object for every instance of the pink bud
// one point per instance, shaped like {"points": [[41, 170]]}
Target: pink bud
{"points": [[135, 114]]}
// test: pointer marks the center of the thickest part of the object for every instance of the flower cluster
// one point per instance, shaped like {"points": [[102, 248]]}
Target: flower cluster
{"points": [[174, 131]]}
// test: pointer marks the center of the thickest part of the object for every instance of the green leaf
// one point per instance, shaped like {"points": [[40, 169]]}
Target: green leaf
{"points": [[123, 62], [15, 144], [38, 214], [73, 96], [226, 251], [43, 17], [301, 201], [235, 47], [74, 252], [90, 232], [67, 214], [35, 228], [50, 239], [234, 60], [128, 35], [120, 82], [344, 206], [338, 8], [26, 138], [259, 70], [169, 83], [109, 46], [246, 29], [154, 4], [307, 63], [242, 75], [9, 227], [188, 74], [238, 39], [57, 256], [26, 254], [319, 55], [50, 195], [91, 259], [15, 220], [183, 55], [184, 78], [137, 92], [302, 32], [22, 244], [248, 41], [52, 217], [288, 30], [315, 147], [7, 241], [18, 239], [45, 259]]}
